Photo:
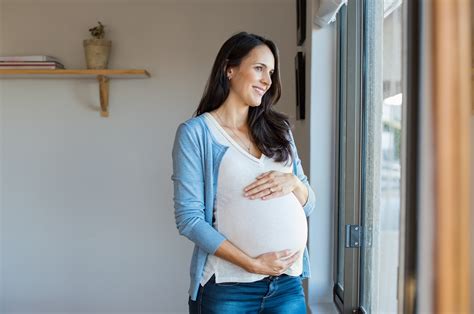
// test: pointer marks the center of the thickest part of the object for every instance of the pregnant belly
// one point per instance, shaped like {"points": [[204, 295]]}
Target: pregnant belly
{"points": [[261, 226]]}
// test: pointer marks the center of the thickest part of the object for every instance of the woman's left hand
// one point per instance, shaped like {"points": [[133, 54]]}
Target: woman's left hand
{"points": [[272, 184]]}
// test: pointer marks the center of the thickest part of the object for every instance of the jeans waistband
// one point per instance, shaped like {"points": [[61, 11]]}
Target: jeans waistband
{"points": [[267, 279], [272, 278]]}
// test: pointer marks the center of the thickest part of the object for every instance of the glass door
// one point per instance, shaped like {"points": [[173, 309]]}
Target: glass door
{"points": [[382, 120]]}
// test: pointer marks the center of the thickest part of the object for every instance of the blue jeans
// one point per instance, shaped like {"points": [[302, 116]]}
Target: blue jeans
{"points": [[277, 295]]}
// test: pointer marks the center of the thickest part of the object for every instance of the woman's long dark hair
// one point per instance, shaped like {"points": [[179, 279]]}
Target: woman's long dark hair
{"points": [[269, 129]]}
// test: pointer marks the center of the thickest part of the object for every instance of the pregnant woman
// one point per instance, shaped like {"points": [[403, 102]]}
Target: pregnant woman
{"points": [[239, 189]]}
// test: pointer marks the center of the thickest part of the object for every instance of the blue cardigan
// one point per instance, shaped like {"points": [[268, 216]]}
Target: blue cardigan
{"points": [[196, 159]]}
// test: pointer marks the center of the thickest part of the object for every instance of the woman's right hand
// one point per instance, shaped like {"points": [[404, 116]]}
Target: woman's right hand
{"points": [[269, 264], [274, 263]]}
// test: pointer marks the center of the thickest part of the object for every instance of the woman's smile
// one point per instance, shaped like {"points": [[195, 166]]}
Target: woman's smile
{"points": [[260, 91]]}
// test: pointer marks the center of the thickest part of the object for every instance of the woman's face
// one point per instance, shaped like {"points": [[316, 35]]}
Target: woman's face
{"points": [[252, 78]]}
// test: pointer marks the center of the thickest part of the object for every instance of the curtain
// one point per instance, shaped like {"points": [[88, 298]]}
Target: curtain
{"points": [[451, 100]]}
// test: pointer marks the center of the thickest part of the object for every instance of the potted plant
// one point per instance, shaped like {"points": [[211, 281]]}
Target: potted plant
{"points": [[97, 49]]}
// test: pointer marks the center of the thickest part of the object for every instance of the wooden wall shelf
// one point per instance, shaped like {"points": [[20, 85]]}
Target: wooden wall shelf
{"points": [[102, 76]]}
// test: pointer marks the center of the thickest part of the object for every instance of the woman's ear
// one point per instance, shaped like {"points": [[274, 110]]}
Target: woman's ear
{"points": [[229, 73], [229, 70]]}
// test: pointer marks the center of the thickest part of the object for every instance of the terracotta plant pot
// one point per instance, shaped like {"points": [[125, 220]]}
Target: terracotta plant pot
{"points": [[97, 53]]}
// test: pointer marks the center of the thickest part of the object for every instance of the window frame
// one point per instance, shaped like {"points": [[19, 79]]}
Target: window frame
{"points": [[349, 116], [349, 171]]}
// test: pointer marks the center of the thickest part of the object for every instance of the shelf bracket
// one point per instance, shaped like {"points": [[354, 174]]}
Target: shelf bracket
{"points": [[104, 95]]}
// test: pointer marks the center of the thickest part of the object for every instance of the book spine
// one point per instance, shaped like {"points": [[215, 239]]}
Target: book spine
{"points": [[29, 58], [30, 67], [26, 63]]}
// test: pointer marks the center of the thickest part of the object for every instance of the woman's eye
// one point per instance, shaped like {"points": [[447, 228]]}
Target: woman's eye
{"points": [[259, 68]]}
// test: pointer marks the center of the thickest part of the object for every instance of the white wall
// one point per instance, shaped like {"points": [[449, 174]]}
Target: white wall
{"points": [[1, 164], [87, 216], [315, 137], [323, 145], [322, 152]]}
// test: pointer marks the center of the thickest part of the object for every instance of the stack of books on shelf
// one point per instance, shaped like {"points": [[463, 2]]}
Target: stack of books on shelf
{"points": [[30, 63]]}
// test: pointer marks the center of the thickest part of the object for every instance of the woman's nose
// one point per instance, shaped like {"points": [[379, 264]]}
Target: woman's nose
{"points": [[267, 79]]}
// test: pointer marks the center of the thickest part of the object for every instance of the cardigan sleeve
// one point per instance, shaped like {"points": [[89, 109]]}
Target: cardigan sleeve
{"points": [[188, 181], [310, 204]]}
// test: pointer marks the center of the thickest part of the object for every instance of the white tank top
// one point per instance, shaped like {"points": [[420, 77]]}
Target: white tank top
{"points": [[254, 226]]}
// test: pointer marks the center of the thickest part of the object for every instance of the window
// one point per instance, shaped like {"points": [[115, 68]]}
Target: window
{"points": [[369, 149]]}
